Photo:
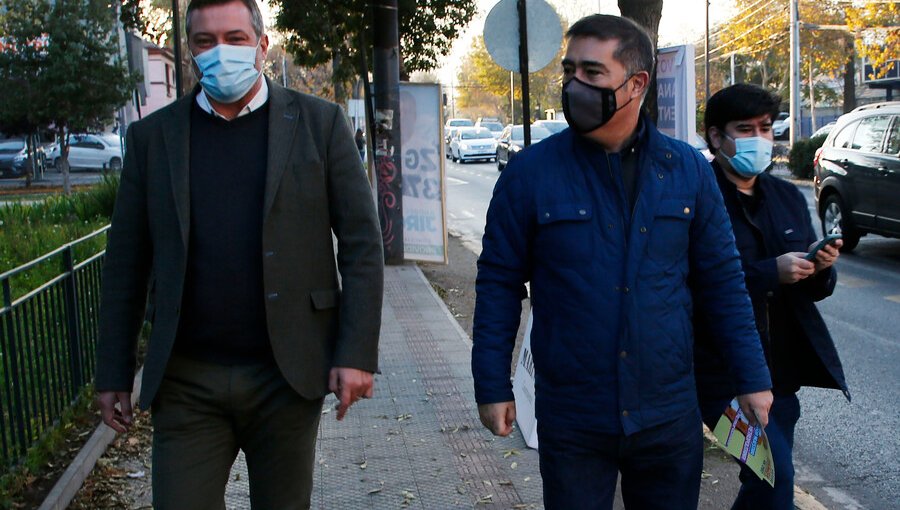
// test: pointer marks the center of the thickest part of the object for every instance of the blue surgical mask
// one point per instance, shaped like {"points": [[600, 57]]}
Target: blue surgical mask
{"points": [[228, 71], [752, 155]]}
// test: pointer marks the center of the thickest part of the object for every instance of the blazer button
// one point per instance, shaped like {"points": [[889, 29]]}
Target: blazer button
{"points": [[272, 296], [626, 290], [270, 254], [625, 414], [687, 210], [623, 354], [643, 230]]}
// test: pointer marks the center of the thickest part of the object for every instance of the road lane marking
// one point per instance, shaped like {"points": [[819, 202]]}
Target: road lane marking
{"points": [[453, 181], [467, 214], [853, 283], [895, 298]]}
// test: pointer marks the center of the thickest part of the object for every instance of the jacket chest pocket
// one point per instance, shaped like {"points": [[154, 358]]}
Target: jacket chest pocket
{"points": [[670, 234], [565, 232], [794, 240]]}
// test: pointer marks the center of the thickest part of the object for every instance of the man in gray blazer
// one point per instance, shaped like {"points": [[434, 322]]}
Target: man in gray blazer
{"points": [[227, 205]]}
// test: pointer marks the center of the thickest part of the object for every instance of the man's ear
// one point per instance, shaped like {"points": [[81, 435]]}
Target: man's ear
{"points": [[715, 137], [641, 82]]}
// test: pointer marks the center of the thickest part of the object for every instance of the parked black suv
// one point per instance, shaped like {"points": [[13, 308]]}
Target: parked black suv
{"points": [[857, 174]]}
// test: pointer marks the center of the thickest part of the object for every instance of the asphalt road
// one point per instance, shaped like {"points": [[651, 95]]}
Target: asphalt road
{"points": [[846, 454]]}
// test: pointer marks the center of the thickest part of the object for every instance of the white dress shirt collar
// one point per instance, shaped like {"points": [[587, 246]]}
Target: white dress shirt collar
{"points": [[262, 95]]}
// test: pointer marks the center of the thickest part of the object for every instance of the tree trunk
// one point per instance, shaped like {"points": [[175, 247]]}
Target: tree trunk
{"points": [[850, 77], [647, 14], [340, 91]]}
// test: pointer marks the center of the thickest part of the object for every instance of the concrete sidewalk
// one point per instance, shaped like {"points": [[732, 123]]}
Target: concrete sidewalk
{"points": [[419, 444]]}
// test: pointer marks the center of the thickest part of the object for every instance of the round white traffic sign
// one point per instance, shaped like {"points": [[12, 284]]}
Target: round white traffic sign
{"points": [[501, 34]]}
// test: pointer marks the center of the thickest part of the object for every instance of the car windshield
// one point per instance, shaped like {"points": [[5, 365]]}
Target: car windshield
{"points": [[461, 123], [537, 133], [554, 126], [476, 135], [12, 145], [493, 126], [111, 139]]}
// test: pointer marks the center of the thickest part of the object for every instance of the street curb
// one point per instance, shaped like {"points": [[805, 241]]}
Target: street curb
{"points": [[447, 312], [73, 478], [802, 499]]}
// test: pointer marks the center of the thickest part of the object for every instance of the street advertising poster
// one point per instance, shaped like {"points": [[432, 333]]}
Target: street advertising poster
{"points": [[424, 200], [676, 92], [747, 443], [523, 390]]}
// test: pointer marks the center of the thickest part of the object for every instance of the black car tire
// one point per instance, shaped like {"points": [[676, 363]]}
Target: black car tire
{"points": [[835, 214], [56, 166]]}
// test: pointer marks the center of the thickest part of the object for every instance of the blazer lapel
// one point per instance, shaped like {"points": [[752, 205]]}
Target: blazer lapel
{"points": [[177, 136], [284, 115]]}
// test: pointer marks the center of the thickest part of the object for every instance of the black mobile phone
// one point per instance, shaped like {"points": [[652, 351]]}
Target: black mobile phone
{"points": [[829, 239]]}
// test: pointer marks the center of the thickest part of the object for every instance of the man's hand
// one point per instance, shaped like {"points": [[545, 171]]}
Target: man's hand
{"points": [[792, 267], [756, 405], [827, 256], [498, 417], [118, 419], [349, 385]]}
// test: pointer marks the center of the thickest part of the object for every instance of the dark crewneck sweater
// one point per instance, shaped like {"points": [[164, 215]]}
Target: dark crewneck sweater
{"points": [[223, 309]]}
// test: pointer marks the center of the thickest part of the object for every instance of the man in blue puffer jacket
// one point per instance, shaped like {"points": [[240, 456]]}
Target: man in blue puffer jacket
{"points": [[607, 220]]}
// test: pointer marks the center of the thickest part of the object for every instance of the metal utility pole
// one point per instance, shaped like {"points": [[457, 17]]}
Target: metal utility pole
{"points": [[523, 70], [176, 26], [512, 100], [795, 73], [706, 55], [386, 78]]}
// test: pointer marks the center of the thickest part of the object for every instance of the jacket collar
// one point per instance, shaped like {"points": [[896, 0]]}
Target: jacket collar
{"points": [[284, 116]]}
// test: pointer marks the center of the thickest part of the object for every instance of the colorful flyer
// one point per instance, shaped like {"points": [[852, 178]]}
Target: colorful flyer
{"points": [[747, 443]]}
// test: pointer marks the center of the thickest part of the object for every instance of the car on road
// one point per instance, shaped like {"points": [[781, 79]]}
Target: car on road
{"points": [[698, 143], [493, 125], [781, 127], [857, 174], [512, 140], [554, 126], [458, 122], [13, 157], [90, 152], [472, 144]]}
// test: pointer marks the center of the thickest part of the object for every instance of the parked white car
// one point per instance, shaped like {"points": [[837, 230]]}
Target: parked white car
{"points": [[781, 127], [90, 152]]}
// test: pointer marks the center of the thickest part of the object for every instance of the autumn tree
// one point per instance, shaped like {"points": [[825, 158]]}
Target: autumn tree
{"points": [[484, 85], [833, 34], [328, 32]]}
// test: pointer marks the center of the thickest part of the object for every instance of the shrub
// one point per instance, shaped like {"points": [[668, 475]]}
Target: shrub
{"points": [[801, 157]]}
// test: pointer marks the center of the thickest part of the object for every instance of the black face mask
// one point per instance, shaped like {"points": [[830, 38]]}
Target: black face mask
{"points": [[588, 107]]}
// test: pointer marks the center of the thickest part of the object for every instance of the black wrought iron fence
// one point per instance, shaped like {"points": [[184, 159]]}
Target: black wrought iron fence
{"points": [[48, 339]]}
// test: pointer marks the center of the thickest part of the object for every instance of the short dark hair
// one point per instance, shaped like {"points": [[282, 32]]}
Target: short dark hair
{"points": [[256, 18], [635, 50], [738, 102]]}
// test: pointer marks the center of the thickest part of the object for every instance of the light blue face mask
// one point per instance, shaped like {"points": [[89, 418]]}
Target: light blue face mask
{"points": [[227, 71], [752, 155]]}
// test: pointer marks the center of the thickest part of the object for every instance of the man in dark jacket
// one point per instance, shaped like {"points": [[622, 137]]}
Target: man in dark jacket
{"points": [[607, 220], [774, 232], [228, 202]]}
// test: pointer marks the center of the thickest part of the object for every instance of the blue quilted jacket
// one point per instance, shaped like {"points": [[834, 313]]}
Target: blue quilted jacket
{"points": [[612, 335]]}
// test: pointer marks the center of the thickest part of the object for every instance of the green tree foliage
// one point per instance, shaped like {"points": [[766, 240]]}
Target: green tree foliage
{"points": [[328, 32], [483, 88], [59, 68]]}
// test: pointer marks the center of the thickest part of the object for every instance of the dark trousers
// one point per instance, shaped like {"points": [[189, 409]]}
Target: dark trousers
{"points": [[756, 493], [204, 413], [660, 466]]}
